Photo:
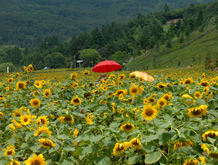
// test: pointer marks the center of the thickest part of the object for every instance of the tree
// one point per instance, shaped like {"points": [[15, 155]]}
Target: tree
{"points": [[90, 57], [166, 8], [199, 19], [120, 57], [16, 55], [55, 60]]}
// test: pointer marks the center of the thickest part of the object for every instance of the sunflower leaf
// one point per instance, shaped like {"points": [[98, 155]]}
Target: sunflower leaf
{"points": [[153, 157], [134, 158], [211, 140], [165, 137], [66, 162], [103, 160]]}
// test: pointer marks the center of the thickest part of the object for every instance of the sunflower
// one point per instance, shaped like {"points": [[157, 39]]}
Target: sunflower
{"points": [[86, 72], [119, 148], [149, 112], [42, 130], [9, 151], [197, 95], [104, 88], [191, 162], [76, 101], [120, 83], [17, 74], [136, 144], [151, 100], [17, 113], [161, 85], [11, 126], [36, 160], [161, 103], [10, 80], [76, 133], [134, 90], [128, 127], [145, 101], [20, 85], [14, 162], [17, 125], [213, 80], [197, 111], [43, 82], [205, 148], [132, 76], [121, 111], [203, 160], [87, 94], [188, 81], [35, 102], [43, 120], [69, 118], [121, 77], [25, 120], [1, 114], [213, 154], [179, 144], [141, 79], [89, 119], [118, 92], [206, 90], [31, 68], [204, 83], [46, 143], [46, 93], [75, 85], [129, 100], [211, 95], [38, 84], [73, 75], [210, 134], [2, 97]]}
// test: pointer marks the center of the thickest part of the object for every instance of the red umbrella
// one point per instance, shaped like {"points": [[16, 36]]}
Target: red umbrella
{"points": [[106, 66]]}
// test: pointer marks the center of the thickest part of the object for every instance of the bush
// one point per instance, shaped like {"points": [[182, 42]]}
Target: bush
{"points": [[3, 67]]}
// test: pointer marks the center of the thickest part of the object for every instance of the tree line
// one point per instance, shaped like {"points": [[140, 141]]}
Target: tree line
{"points": [[115, 41]]}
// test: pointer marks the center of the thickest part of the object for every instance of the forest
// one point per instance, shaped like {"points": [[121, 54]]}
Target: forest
{"points": [[116, 41], [28, 22]]}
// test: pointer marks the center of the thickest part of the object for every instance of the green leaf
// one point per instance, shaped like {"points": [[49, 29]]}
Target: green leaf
{"points": [[211, 140], [95, 147], [200, 101], [213, 88], [35, 148], [94, 139], [165, 137], [114, 125], [66, 162], [24, 145], [68, 148], [152, 157], [103, 160], [85, 151], [79, 114], [150, 138], [134, 158], [63, 136]]}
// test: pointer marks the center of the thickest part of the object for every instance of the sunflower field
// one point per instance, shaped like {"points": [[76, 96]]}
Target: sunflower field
{"points": [[67, 118]]}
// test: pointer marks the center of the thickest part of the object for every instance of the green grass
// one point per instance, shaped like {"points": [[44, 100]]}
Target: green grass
{"points": [[192, 54]]}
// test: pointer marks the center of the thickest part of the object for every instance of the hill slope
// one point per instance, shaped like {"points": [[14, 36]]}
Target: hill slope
{"points": [[27, 22], [192, 51]]}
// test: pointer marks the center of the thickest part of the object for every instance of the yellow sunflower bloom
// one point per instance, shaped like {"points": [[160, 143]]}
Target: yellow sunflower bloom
{"points": [[25, 120], [191, 162], [46, 93], [43, 120], [76, 133], [46, 143], [128, 127], [35, 102], [20, 85], [36, 160], [136, 144], [149, 112], [76, 101], [179, 144], [42, 130], [197, 111], [1, 114], [210, 134], [119, 148]]}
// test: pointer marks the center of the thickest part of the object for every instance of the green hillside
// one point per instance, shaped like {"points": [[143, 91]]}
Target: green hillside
{"points": [[192, 51], [28, 22]]}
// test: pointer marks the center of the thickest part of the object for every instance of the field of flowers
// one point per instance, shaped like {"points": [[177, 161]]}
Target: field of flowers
{"points": [[66, 118]]}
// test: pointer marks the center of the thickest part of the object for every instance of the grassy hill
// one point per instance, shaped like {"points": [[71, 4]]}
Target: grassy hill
{"points": [[192, 51], [27, 22]]}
